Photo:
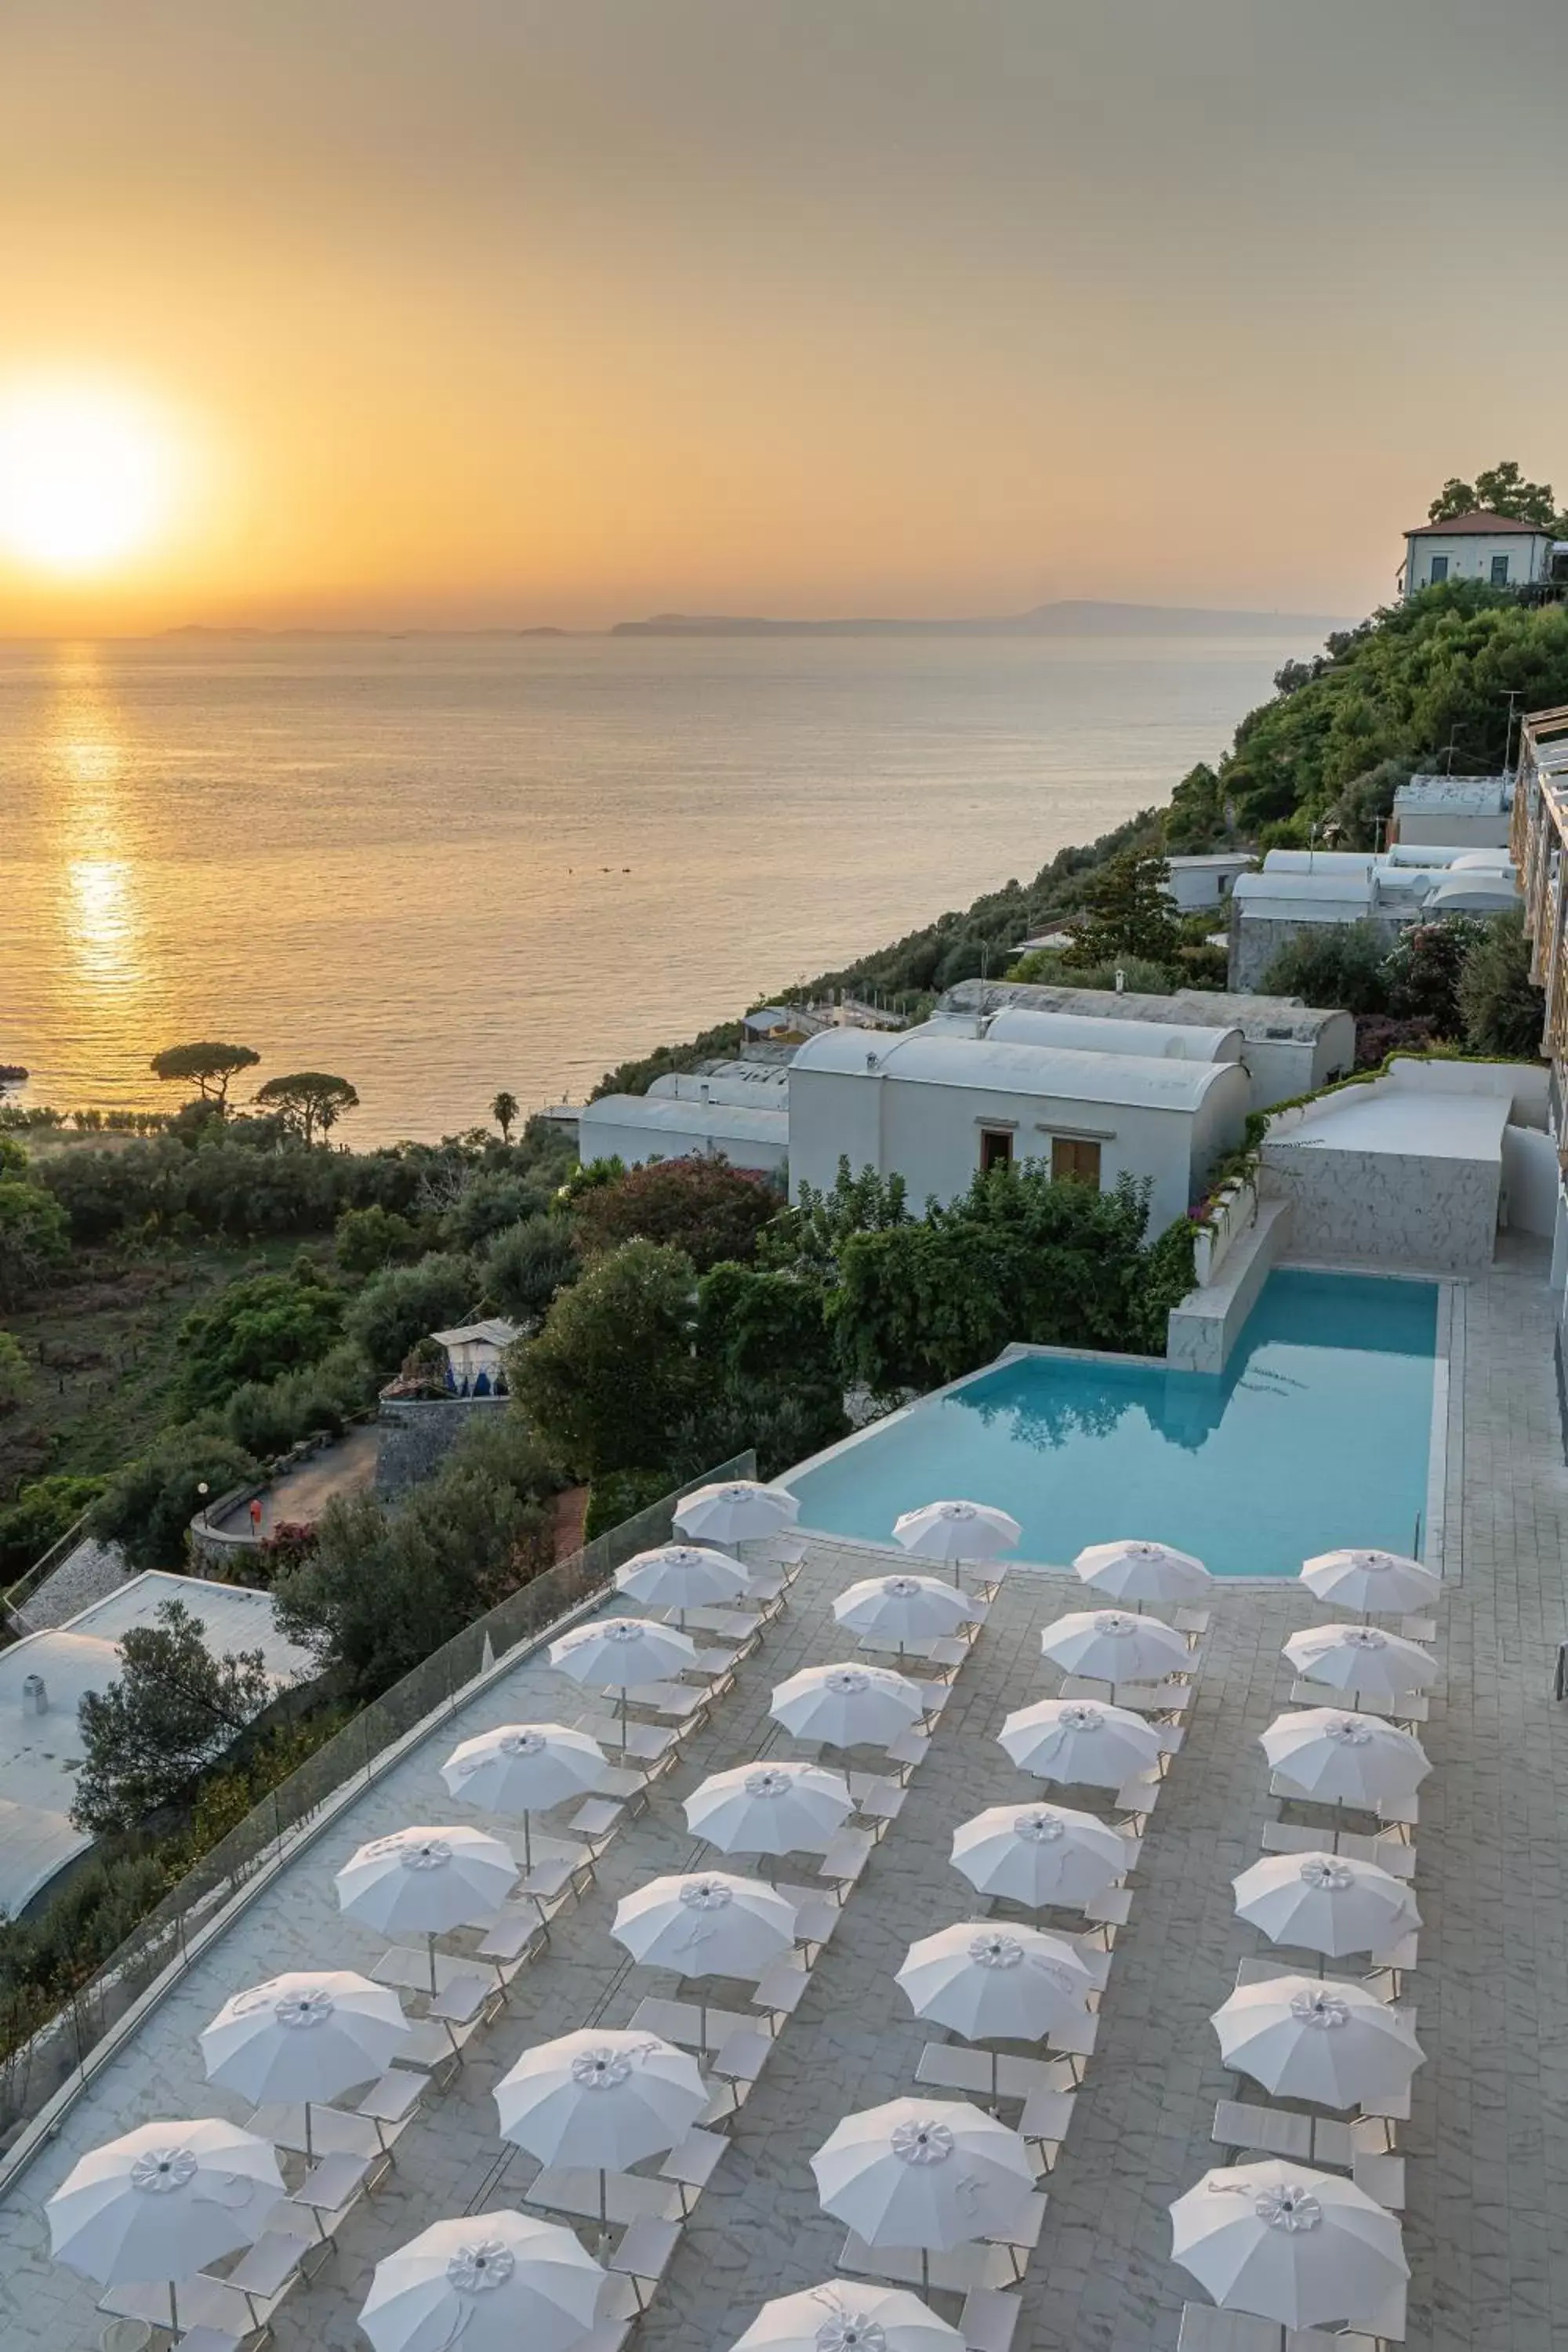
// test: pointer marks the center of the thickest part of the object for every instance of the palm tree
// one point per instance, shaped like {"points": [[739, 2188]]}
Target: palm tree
{"points": [[503, 1110]]}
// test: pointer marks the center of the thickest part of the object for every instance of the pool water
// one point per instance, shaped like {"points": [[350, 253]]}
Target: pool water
{"points": [[1317, 1434]]}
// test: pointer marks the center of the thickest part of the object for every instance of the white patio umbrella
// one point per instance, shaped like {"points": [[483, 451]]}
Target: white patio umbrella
{"points": [[1133, 1570], [923, 2172], [902, 1608], [1326, 1902], [154, 2206], [600, 2099], [1363, 1661], [737, 1510], [1077, 1740], [705, 1924], [682, 1577], [1286, 2243], [524, 1768], [956, 1531], [613, 1653], [848, 1704], [1112, 1645], [1304, 2039], [425, 1882], [1379, 1583], [1039, 1853], [849, 2315], [994, 1983], [769, 1808], [488, 2282], [1335, 1757], [307, 2035]]}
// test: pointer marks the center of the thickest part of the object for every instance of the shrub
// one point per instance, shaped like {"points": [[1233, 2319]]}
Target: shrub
{"points": [[1378, 1036], [16, 1373], [148, 1505], [368, 1239], [43, 1510], [1422, 971], [256, 1330], [1501, 1008], [34, 1238], [491, 1200], [1332, 965], [526, 1265], [700, 1206], [611, 1375], [405, 1303]]}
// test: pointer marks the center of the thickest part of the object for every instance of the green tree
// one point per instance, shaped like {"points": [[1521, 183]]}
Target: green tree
{"points": [[308, 1101], [611, 1374], [504, 1109], [1127, 913], [1332, 965], [698, 1205], [366, 1240], [34, 1238], [1501, 490], [1422, 969], [809, 1236], [43, 1510], [525, 1266], [1502, 1010], [1195, 819], [254, 1331], [210, 1066], [174, 1708], [16, 1373], [149, 1503], [405, 1305]]}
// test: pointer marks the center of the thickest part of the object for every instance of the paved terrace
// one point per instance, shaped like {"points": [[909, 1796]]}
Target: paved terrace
{"points": [[1489, 2140]]}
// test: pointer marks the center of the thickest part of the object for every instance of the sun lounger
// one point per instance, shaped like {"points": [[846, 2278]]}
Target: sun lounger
{"points": [[392, 2104], [686, 2024], [1044, 2123], [877, 1798], [959, 2271], [1192, 1621], [1112, 1906], [983, 2074], [1410, 1707], [597, 1818], [816, 1918], [692, 2164], [780, 1989], [908, 1750], [686, 1706], [643, 2254], [846, 1859], [324, 2131], [1389, 1853], [1265, 1972], [989, 2320], [1205, 2329], [624, 2198]]}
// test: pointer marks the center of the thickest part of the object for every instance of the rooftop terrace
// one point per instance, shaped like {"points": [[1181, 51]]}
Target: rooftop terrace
{"points": [[1488, 2139]]}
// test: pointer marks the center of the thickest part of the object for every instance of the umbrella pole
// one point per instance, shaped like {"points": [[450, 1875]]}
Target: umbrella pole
{"points": [[702, 2021], [173, 2308], [430, 1943], [526, 1842], [925, 2271], [309, 2151]]}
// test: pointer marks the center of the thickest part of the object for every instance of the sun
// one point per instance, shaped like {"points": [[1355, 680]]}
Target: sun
{"points": [[86, 477]]}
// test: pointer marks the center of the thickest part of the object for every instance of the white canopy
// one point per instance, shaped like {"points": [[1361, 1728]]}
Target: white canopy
{"points": [[613, 1653], [1037, 1853], [683, 1576], [1112, 1645], [1380, 1583], [1298, 2247], [903, 1608], [1302, 2038], [1072, 1740], [1362, 1660], [1336, 1757], [737, 1510], [848, 1704], [706, 1922], [425, 1882], [1326, 1902], [769, 1808], [923, 2172], [159, 2202], [996, 1983], [849, 2315], [600, 2099], [309, 2035], [524, 1767], [488, 2282], [956, 1531], [1134, 1570]]}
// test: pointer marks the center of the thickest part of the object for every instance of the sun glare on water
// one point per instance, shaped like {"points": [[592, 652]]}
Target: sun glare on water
{"points": [[87, 477]]}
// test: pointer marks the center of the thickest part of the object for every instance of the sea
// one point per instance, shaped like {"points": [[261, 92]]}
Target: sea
{"points": [[442, 866]]}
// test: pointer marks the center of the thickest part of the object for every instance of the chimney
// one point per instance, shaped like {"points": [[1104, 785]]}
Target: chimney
{"points": [[34, 1696]]}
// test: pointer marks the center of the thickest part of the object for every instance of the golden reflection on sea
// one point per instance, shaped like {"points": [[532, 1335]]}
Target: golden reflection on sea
{"points": [[102, 961]]}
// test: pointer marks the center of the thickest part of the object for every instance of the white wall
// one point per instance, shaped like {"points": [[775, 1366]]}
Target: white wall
{"points": [[1470, 556], [929, 1133], [1530, 1181], [610, 1128]]}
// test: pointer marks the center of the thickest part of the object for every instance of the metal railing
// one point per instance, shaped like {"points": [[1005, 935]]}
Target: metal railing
{"points": [[60, 2053]]}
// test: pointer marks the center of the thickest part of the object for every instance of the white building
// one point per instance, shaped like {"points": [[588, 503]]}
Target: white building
{"points": [[44, 1678], [1466, 812], [639, 1128], [1198, 884], [750, 1085], [475, 1350], [1477, 546], [1287, 1048], [936, 1105], [1082, 1033], [1300, 890]]}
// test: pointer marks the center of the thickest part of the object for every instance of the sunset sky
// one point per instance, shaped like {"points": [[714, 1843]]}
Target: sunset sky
{"points": [[560, 310]]}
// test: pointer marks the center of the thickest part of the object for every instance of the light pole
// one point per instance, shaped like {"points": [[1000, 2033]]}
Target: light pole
{"points": [[203, 1490]]}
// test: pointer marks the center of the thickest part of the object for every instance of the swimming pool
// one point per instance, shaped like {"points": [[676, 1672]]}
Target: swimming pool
{"points": [[1318, 1433]]}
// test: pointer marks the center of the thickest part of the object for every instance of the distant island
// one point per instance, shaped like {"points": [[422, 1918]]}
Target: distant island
{"points": [[1072, 617]]}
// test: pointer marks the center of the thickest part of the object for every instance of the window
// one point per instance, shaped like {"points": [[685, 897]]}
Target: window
{"points": [[1074, 1160], [995, 1148], [1440, 569], [1500, 571]]}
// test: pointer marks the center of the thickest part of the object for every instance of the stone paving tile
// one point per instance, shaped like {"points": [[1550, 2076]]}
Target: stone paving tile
{"points": [[1489, 2136]]}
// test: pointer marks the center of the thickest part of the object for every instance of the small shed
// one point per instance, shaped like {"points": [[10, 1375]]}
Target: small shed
{"points": [[638, 1128], [476, 1355], [1469, 812]]}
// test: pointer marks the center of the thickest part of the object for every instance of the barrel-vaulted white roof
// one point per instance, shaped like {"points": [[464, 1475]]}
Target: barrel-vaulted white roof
{"points": [[1087, 1032], [1259, 1018], [946, 1058]]}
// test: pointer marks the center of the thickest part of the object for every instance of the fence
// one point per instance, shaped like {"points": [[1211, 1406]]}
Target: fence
{"points": [[59, 2056]]}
